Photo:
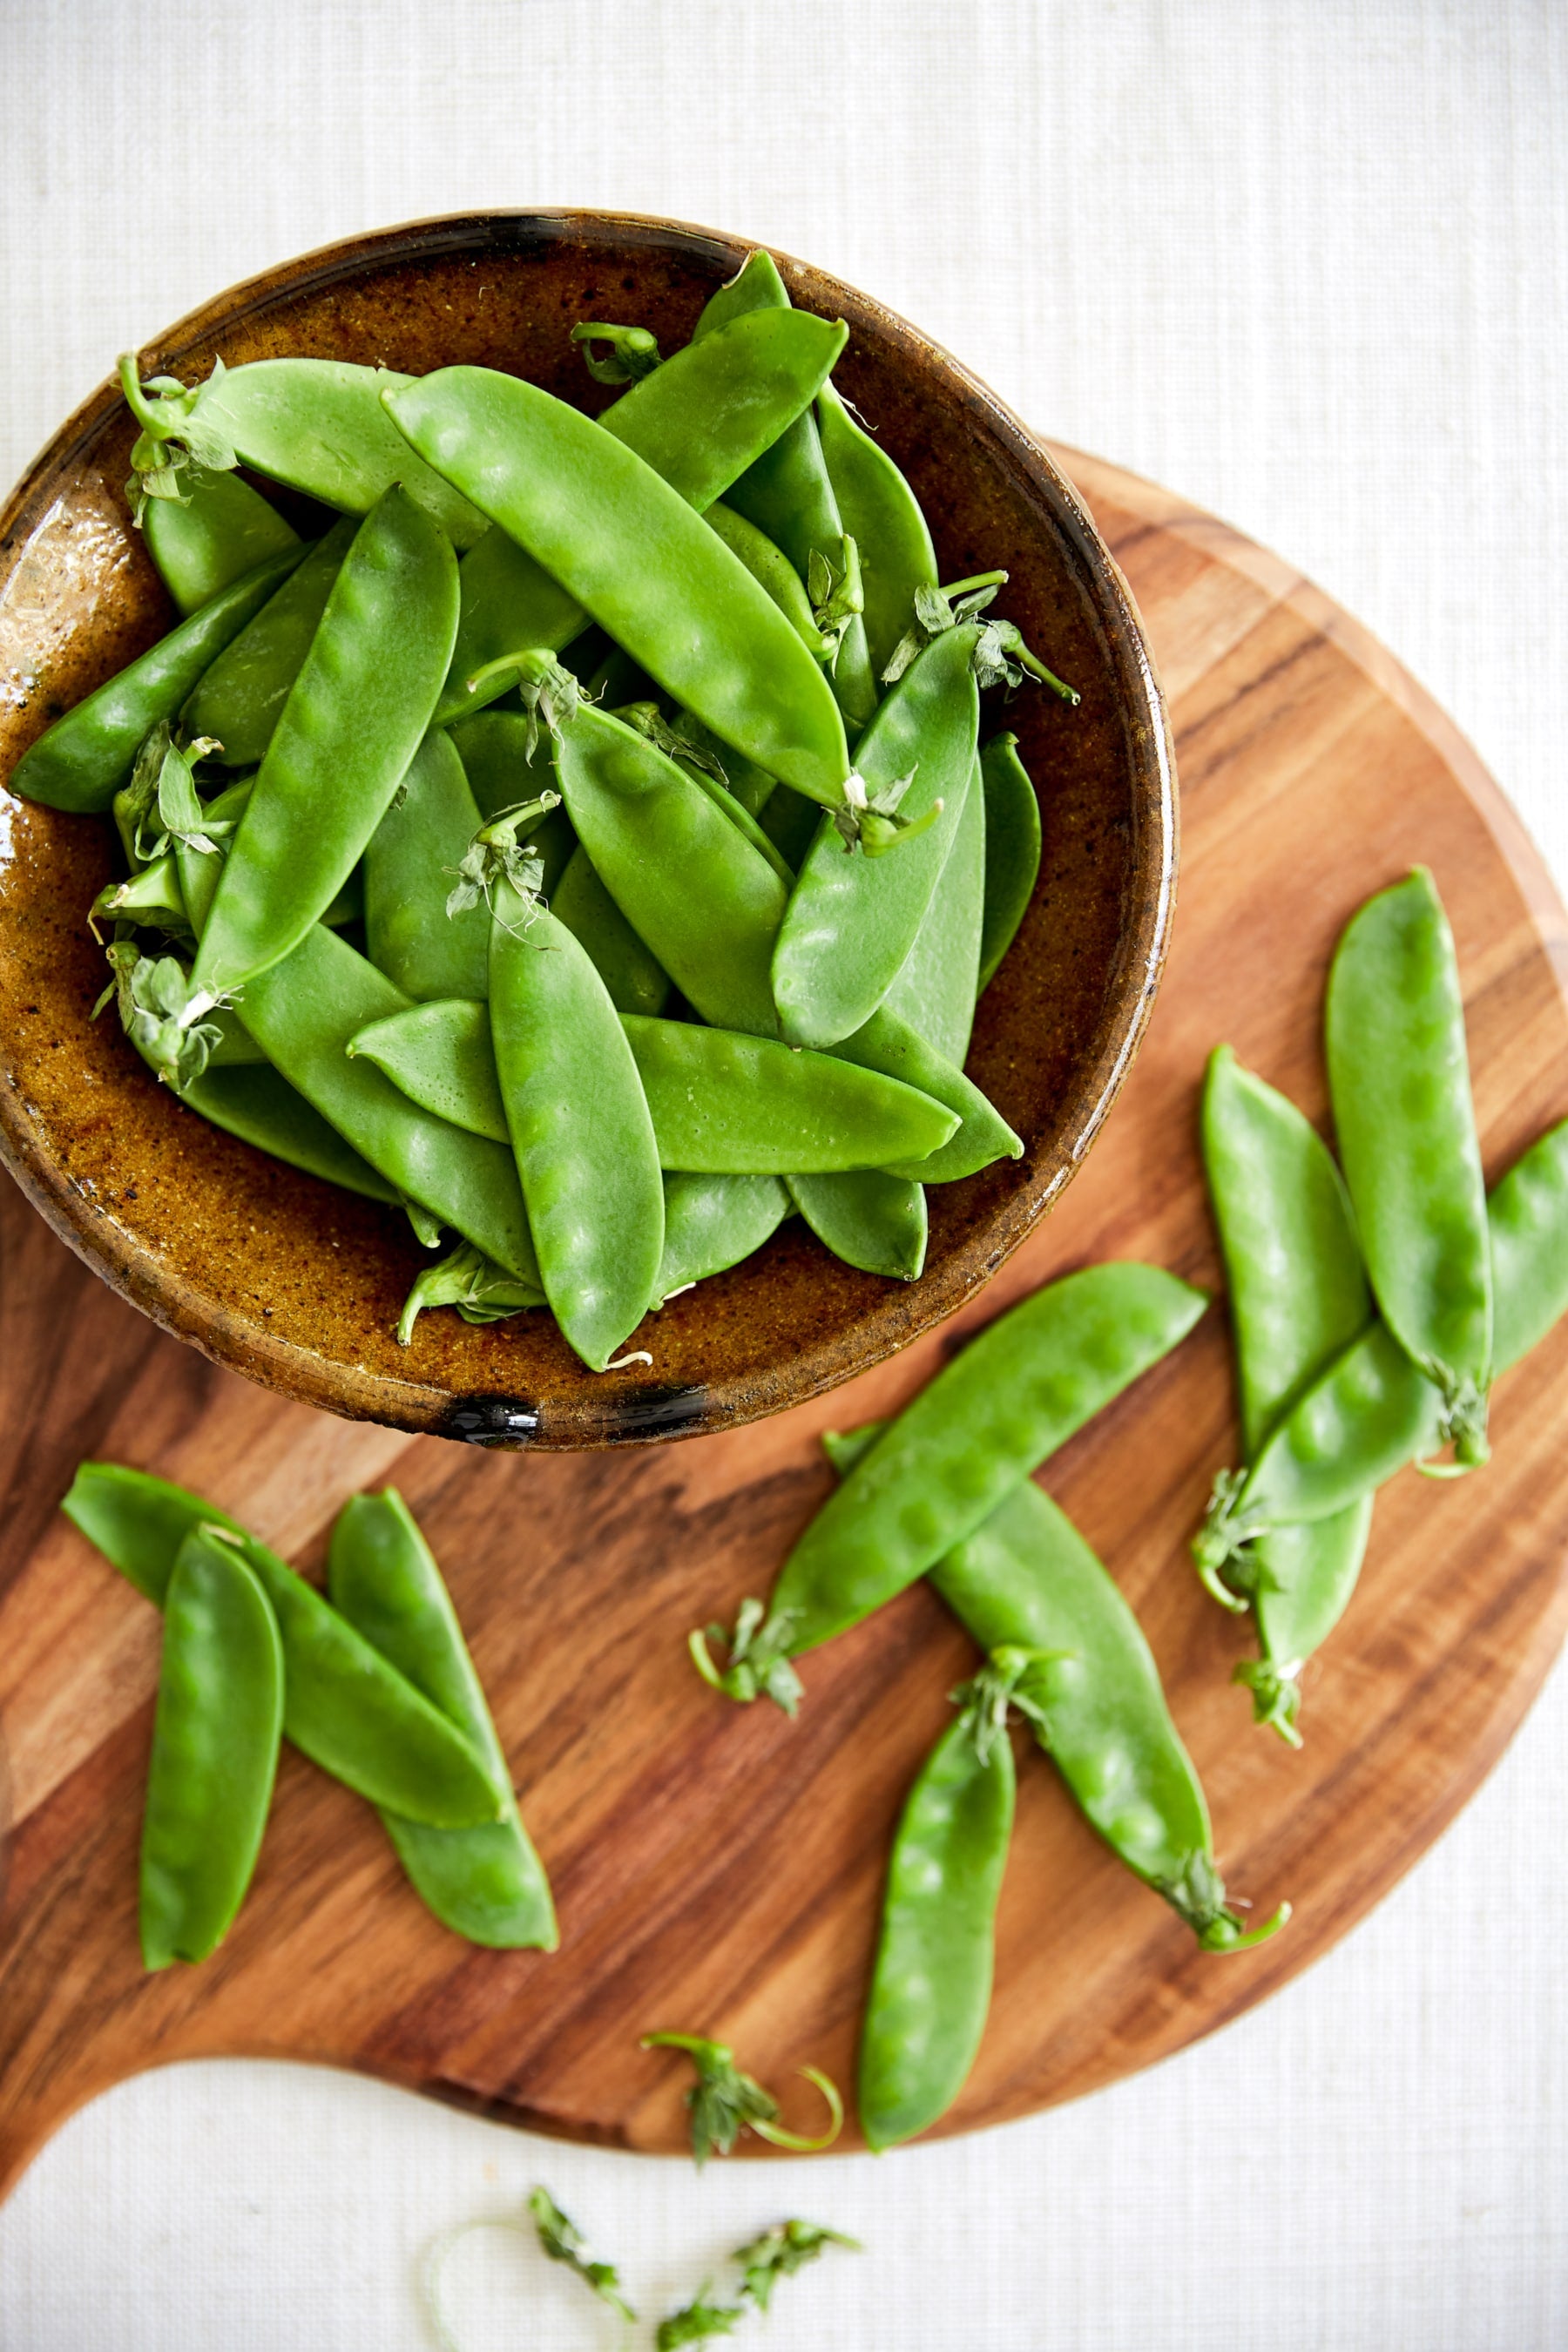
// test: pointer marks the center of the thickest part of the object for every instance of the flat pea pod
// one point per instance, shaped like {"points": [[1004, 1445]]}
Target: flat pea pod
{"points": [[938, 983], [83, 759], [410, 864], [711, 1223], [343, 1705], [593, 514], [851, 919], [216, 1732], [930, 1983], [318, 425], [580, 1130], [1012, 850], [1298, 1298], [1018, 1390], [876, 1222], [219, 531], [487, 1883], [1399, 1081], [771, 567], [236, 701], [698, 421], [353, 722], [883, 517], [636, 980], [1372, 1411]]}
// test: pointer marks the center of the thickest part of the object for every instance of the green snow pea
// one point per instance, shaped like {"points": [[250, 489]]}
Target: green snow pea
{"points": [[1399, 1079], [1298, 1299], [771, 567], [236, 702], [318, 425], [698, 421], [931, 1984], [215, 1751], [84, 758], [487, 1883], [639, 559], [936, 989], [1372, 1411], [697, 754], [580, 1128], [882, 515], [1018, 1390], [218, 531], [410, 863], [343, 744], [635, 979], [343, 1705], [713, 1222], [872, 1221], [852, 920], [440, 1055], [1012, 849]]}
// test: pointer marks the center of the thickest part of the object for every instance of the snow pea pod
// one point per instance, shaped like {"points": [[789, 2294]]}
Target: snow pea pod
{"points": [[771, 567], [487, 1883], [343, 744], [851, 919], [931, 1984], [343, 1705], [1399, 1080], [1012, 850], [1372, 1411], [409, 864], [215, 1732], [636, 980], [84, 758], [1298, 1299], [639, 559], [580, 1128], [883, 517], [713, 1222], [872, 1221], [1017, 1391], [221, 530], [237, 701], [936, 988]]}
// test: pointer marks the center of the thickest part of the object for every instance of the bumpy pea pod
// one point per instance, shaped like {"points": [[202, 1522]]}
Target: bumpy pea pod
{"points": [[221, 530], [1298, 1299], [236, 702], [852, 920], [635, 979], [580, 1128], [698, 421], [1399, 1079], [410, 864], [788, 493], [1372, 1411], [1019, 1389], [931, 1984], [353, 722], [771, 567], [711, 1223], [936, 989], [874, 1222], [1012, 850], [83, 759], [487, 1883], [318, 425], [882, 515], [215, 1732], [343, 1705]]}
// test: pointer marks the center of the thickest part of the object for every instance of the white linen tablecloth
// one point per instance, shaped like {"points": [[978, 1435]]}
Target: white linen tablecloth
{"points": [[1306, 266]]}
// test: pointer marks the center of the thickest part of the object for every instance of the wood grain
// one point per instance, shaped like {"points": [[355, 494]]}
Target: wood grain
{"points": [[719, 1869]]}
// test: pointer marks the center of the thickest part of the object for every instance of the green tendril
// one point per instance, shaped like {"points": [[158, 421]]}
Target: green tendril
{"points": [[564, 2243], [1000, 659], [1276, 1697], [632, 353], [758, 1665], [724, 2102]]}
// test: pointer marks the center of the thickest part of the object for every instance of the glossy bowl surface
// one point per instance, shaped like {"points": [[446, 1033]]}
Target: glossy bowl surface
{"points": [[298, 1285]]}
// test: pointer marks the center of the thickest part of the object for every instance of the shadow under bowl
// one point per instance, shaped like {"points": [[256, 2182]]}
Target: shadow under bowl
{"points": [[298, 1285]]}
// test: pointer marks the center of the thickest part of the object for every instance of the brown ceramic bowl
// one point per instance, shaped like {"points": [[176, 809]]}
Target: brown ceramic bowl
{"points": [[299, 1284]]}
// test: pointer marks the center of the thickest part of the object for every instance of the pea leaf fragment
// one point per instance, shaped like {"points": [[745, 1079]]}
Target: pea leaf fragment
{"points": [[724, 2102], [564, 2243], [837, 595], [758, 1668], [777, 2253], [177, 432]]}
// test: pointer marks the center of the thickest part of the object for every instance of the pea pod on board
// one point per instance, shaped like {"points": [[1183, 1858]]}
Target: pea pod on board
{"points": [[1298, 1299], [487, 1883], [343, 1705], [1372, 1411], [882, 515], [84, 758], [237, 701], [938, 983], [1012, 850], [1399, 1079], [410, 861], [215, 1732], [219, 531], [1018, 1390]]}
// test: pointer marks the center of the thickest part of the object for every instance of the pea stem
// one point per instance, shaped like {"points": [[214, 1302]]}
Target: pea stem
{"points": [[145, 412], [780, 2138], [1036, 668], [976, 579]]}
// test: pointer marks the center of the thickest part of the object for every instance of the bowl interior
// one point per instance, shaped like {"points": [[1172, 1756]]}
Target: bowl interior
{"points": [[299, 1284]]}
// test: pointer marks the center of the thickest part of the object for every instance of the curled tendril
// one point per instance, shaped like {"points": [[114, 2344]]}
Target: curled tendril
{"points": [[724, 2102], [1001, 658], [631, 352]]}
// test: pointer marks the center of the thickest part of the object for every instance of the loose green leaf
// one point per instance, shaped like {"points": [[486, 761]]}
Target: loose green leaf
{"points": [[757, 1667], [696, 2321], [564, 2243], [779, 2252]]}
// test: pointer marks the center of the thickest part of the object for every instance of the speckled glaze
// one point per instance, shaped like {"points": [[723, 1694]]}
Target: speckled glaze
{"points": [[298, 1285]]}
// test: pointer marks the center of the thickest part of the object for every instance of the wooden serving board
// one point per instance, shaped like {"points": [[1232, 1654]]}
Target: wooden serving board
{"points": [[717, 1869]]}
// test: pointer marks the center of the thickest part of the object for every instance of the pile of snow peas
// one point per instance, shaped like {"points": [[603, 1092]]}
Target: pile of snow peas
{"points": [[586, 841], [373, 1681]]}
